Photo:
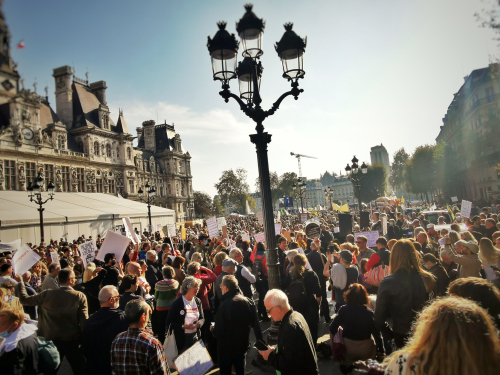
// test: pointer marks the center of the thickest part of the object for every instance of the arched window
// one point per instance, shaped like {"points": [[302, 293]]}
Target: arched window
{"points": [[96, 148], [129, 153], [108, 150], [117, 152]]}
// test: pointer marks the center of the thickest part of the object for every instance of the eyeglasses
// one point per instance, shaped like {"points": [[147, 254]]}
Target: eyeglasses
{"points": [[114, 298], [271, 309]]}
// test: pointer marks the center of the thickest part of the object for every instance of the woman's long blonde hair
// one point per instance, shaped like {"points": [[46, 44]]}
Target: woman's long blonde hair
{"points": [[453, 336], [88, 272], [468, 236], [404, 256], [487, 252]]}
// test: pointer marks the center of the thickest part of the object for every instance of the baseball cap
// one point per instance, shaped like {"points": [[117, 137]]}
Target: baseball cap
{"points": [[229, 262], [346, 255]]}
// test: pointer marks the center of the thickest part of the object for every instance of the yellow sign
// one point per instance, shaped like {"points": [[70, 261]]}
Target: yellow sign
{"points": [[183, 233], [344, 208]]}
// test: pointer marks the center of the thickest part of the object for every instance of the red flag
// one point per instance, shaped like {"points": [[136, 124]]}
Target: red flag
{"points": [[20, 45]]}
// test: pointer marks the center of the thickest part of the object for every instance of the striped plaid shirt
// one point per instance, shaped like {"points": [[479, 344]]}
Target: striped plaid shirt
{"points": [[137, 352]]}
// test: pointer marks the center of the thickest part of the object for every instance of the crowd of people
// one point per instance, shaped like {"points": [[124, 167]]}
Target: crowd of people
{"points": [[422, 299]]}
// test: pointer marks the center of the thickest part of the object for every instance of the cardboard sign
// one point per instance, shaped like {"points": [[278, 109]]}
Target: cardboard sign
{"points": [[114, 244], [130, 233], [55, 257], [313, 230], [260, 237], [213, 229], [87, 251], [454, 199], [23, 259], [371, 236], [183, 233], [277, 228], [336, 229], [245, 237], [171, 230], [260, 218], [164, 231], [303, 218], [221, 222], [194, 361], [287, 236], [466, 208]]}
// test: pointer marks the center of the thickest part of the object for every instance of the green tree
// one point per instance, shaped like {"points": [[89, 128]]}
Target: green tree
{"points": [[286, 182], [218, 209], [279, 185], [374, 183], [251, 203], [420, 170], [202, 203], [233, 188], [397, 178]]}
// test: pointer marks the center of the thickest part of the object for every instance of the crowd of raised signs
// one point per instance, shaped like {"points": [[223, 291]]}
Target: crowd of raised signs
{"points": [[412, 292]]}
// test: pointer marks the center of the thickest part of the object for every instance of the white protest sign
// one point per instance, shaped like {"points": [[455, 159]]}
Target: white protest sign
{"points": [[23, 259], [114, 244], [260, 237], [245, 237], [384, 225], [277, 228], [260, 218], [194, 361], [213, 230], [10, 246], [87, 251], [301, 251], [371, 236], [454, 199], [303, 218], [172, 231], [466, 208], [54, 257], [158, 226], [336, 229], [130, 233], [221, 222]]}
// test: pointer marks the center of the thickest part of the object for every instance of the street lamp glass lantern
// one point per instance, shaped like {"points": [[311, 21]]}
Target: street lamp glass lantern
{"points": [[364, 168], [140, 192], [246, 70], [291, 49], [50, 189], [29, 190], [152, 192], [223, 49], [347, 169], [37, 188], [355, 168], [251, 29]]}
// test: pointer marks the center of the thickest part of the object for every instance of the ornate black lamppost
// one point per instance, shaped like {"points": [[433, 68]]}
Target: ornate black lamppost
{"points": [[148, 198], [356, 177], [329, 194], [35, 195], [300, 189], [223, 48]]}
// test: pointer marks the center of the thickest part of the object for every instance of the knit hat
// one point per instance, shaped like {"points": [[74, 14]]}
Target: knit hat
{"points": [[346, 255]]}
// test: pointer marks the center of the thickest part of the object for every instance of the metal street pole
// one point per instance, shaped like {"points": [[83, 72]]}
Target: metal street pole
{"points": [[35, 195], [41, 209]]}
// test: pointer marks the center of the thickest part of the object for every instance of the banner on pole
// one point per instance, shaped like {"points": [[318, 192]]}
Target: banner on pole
{"points": [[129, 231], [213, 229], [114, 243], [171, 230], [260, 237]]}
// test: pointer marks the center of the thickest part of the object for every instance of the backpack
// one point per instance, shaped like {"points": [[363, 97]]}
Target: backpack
{"points": [[297, 295], [258, 267], [48, 356]]}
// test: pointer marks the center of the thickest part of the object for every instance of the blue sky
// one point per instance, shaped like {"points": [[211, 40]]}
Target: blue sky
{"points": [[376, 72]]}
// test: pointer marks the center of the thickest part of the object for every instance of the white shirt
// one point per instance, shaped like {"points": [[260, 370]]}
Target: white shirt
{"points": [[192, 314], [247, 275]]}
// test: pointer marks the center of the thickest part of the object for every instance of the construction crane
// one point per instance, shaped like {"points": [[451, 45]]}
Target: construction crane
{"points": [[298, 156]]}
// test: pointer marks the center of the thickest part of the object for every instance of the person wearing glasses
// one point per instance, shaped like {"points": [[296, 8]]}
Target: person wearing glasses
{"points": [[108, 321], [62, 314], [295, 353], [364, 251], [137, 351]]}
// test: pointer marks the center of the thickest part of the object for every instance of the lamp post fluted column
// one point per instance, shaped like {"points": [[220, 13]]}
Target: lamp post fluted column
{"points": [[35, 195], [149, 198]]}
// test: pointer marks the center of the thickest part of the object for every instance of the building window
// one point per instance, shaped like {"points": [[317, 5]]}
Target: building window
{"points": [[111, 184], [80, 179], [96, 148], [61, 142], [129, 153], [131, 186], [98, 184], [30, 172], [117, 152], [10, 174], [490, 94], [108, 150], [49, 174], [65, 179]]}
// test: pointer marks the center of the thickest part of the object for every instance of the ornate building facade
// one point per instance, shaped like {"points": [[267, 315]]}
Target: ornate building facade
{"points": [[79, 147]]}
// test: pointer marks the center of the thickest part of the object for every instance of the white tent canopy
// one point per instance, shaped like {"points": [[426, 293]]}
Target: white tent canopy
{"points": [[70, 215]]}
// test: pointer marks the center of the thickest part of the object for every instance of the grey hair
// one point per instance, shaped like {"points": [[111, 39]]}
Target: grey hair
{"points": [[188, 283], [234, 253], [291, 254], [151, 254], [196, 257], [106, 293], [278, 298]]}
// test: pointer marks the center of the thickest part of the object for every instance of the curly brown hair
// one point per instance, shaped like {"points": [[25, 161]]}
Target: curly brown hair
{"points": [[356, 295]]}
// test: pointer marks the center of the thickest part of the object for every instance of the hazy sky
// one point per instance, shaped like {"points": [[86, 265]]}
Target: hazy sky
{"points": [[376, 72]]}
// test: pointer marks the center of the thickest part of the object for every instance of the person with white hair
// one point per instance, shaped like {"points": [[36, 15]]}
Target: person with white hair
{"points": [[299, 357], [101, 329], [153, 272]]}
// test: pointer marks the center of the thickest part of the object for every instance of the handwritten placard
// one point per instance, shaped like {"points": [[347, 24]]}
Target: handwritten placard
{"points": [[87, 252], [130, 233], [213, 229], [371, 236], [23, 259], [277, 228], [466, 208], [221, 222], [194, 361], [245, 237], [260, 237], [303, 218], [171, 230], [54, 257]]}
